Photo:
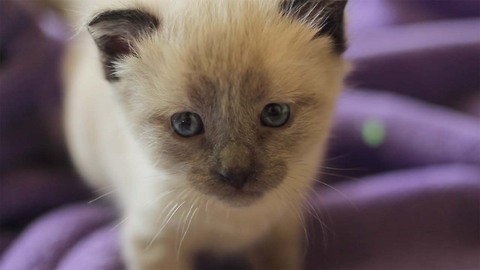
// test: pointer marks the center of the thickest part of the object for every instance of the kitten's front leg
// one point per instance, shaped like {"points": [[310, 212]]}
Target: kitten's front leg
{"points": [[140, 253], [280, 249]]}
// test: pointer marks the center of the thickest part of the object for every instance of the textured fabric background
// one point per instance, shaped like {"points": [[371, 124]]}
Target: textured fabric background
{"points": [[412, 201]]}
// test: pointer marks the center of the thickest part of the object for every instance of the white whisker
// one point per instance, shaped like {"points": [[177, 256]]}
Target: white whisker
{"points": [[165, 222], [185, 233], [119, 224], [101, 196], [339, 192]]}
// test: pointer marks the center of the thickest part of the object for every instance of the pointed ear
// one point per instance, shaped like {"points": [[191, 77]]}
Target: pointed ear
{"points": [[115, 32], [324, 15]]}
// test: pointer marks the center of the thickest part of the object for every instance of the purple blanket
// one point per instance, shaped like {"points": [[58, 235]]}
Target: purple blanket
{"points": [[403, 170]]}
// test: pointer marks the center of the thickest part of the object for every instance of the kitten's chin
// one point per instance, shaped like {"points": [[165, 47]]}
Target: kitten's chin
{"points": [[233, 197], [240, 198]]}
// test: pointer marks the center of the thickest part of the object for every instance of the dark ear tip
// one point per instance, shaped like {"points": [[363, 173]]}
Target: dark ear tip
{"points": [[136, 16], [96, 19], [115, 32], [327, 15]]}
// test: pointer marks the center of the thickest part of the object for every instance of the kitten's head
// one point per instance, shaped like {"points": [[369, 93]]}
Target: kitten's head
{"points": [[236, 96]]}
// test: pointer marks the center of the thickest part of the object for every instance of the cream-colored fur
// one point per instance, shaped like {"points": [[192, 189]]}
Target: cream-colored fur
{"points": [[166, 221]]}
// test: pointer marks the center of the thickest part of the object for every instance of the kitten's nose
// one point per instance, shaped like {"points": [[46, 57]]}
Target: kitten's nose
{"points": [[235, 178]]}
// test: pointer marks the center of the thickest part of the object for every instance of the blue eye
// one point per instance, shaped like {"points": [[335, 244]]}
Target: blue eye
{"points": [[275, 115], [187, 124]]}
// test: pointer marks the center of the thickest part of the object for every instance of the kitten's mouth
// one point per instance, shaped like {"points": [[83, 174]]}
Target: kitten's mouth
{"points": [[236, 197], [247, 193], [240, 197], [234, 192]]}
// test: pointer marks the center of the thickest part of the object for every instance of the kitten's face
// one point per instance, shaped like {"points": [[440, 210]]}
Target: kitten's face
{"points": [[238, 108]]}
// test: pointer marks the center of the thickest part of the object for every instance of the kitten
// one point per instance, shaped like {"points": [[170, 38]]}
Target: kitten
{"points": [[208, 119]]}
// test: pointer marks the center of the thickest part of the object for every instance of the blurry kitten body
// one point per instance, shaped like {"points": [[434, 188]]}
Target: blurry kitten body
{"points": [[207, 119]]}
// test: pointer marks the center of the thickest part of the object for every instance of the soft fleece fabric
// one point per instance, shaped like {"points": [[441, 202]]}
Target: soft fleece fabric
{"points": [[411, 201]]}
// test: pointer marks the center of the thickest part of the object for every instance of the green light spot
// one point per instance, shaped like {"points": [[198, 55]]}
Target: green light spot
{"points": [[373, 133]]}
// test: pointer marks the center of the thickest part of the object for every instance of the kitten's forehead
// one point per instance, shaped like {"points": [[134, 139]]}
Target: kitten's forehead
{"points": [[240, 54], [236, 90], [242, 59]]}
